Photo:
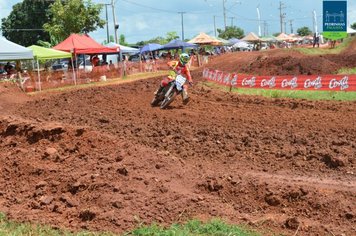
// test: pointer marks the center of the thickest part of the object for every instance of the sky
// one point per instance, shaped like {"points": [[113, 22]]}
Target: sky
{"points": [[141, 20]]}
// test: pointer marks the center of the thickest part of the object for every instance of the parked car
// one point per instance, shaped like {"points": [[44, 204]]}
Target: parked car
{"points": [[243, 46], [60, 66], [135, 57]]}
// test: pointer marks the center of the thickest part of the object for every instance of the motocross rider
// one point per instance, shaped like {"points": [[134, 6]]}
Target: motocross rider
{"points": [[180, 68]]}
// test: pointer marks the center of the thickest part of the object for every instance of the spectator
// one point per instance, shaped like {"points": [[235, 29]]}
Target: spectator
{"points": [[176, 55], [316, 38], [169, 55], [95, 61], [333, 44], [8, 67], [2, 71], [111, 65]]}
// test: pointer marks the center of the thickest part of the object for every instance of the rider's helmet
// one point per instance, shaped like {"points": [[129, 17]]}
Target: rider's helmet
{"points": [[184, 58]]}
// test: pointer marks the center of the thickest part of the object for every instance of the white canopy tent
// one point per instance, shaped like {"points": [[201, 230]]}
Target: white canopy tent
{"points": [[10, 51], [123, 49], [351, 31]]}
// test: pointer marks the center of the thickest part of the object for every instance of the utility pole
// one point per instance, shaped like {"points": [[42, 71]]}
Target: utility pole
{"points": [[181, 13], [232, 20], [116, 26], [107, 23], [291, 26], [315, 23], [265, 28], [259, 20], [214, 26], [281, 14], [224, 12]]}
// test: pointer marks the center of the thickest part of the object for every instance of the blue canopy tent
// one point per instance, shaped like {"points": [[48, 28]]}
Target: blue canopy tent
{"points": [[178, 44], [150, 47]]}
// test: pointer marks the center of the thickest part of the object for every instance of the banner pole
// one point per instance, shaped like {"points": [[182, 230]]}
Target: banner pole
{"points": [[39, 76]]}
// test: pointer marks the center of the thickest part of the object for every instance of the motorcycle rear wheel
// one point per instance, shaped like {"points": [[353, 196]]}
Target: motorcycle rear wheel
{"points": [[155, 101]]}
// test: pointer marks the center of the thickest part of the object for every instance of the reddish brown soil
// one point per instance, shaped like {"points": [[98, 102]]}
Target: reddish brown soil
{"points": [[102, 159]]}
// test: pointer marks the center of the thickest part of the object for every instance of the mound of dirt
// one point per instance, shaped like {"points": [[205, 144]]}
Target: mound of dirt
{"points": [[10, 95], [102, 159], [284, 62]]}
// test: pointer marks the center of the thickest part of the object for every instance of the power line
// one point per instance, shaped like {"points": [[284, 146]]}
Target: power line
{"points": [[22, 29], [165, 10], [153, 8], [243, 18]]}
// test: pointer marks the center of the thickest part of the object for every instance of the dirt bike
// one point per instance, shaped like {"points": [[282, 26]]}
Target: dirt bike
{"points": [[168, 93]]}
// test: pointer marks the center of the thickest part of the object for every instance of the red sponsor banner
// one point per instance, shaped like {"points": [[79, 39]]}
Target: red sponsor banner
{"points": [[301, 82]]}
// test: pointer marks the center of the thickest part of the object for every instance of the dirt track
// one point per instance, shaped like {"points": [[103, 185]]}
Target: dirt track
{"points": [[103, 159]]}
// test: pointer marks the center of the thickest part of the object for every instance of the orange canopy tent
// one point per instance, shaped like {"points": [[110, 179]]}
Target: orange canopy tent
{"points": [[84, 44], [284, 37], [251, 37], [205, 39]]}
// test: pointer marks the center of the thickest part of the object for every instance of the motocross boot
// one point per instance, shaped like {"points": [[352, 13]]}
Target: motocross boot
{"points": [[185, 97]]}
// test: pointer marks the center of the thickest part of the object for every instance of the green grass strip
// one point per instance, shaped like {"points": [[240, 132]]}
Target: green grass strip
{"points": [[274, 93], [195, 228], [192, 228], [10, 228], [347, 71], [321, 51]]}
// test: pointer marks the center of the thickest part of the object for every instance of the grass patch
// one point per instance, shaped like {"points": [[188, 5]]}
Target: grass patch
{"points": [[320, 51], [274, 93], [24, 229], [347, 71], [195, 228], [191, 228]]}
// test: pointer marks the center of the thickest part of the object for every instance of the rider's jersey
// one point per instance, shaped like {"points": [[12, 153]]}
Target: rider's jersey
{"points": [[180, 69]]}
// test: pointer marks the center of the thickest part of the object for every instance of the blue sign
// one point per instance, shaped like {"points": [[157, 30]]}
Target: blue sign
{"points": [[334, 16]]}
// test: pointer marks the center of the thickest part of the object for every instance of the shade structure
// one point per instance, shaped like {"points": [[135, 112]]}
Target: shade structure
{"points": [[284, 37], [41, 53], [241, 44], [150, 47], [178, 44], [205, 39], [84, 44], [123, 49], [223, 41], [11, 51], [351, 31], [268, 39], [251, 37], [234, 40]]}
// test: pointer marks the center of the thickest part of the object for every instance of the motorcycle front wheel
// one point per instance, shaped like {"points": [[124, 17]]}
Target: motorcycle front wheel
{"points": [[169, 98]]}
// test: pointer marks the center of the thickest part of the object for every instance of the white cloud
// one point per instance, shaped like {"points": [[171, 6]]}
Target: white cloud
{"points": [[141, 24]]}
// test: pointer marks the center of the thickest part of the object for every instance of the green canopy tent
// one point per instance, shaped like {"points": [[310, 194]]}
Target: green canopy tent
{"points": [[41, 53]]}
